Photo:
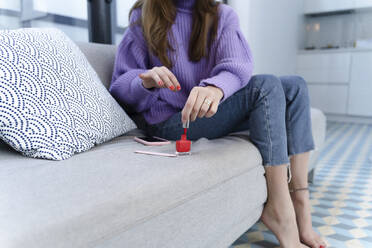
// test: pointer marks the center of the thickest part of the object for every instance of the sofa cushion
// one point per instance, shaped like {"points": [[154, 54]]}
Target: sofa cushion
{"points": [[102, 59], [100, 193], [52, 103]]}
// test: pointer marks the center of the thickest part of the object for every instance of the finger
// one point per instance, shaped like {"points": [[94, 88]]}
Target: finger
{"points": [[189, 106], [204, 108], [156, 78], [172, 77], [145, 75], [212, 110], [164, 77], [197, 106]]}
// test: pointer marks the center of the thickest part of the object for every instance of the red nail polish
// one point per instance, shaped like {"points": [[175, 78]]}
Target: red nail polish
{"points": [[160, 83], [183, 146], [172, 87], [178, 87], [322, 246]]}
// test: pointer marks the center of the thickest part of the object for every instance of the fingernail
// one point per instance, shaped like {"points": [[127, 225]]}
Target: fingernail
{"points": [[171, 87], [178, 87], [160, 83], [322, 246]]}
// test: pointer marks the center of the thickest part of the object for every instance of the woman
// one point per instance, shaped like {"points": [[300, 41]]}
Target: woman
{"points": [[185, 60]]}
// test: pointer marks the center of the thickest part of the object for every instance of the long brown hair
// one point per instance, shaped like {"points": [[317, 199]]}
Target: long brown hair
{"points": [[158, 17]]}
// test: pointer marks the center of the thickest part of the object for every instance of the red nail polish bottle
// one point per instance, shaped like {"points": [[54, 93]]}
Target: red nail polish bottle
{"points": [[183, 146]]}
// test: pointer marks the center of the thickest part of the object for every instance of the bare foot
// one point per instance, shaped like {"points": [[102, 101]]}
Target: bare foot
{"points": [[301, 204], [281, 220]]}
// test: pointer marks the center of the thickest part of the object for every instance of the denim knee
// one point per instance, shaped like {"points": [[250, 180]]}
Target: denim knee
{"points": [[295, 87], [265, 82], [269, 86]]}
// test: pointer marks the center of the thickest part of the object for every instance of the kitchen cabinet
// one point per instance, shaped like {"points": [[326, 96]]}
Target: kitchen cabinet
{"points": [[321, 6], [331, 99], [325, 67], [360, 91], [328, 78], [339, 81]]}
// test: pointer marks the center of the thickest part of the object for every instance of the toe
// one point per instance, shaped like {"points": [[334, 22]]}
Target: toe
{"points": [[323, 245], [311, 243], [321, 242], [312, 240]]}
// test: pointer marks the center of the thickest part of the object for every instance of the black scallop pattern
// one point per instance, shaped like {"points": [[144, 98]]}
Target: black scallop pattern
{"points": [[52, 103]]}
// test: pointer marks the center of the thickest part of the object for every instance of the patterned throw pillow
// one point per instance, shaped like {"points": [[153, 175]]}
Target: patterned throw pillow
{"points": [[52, 103]]}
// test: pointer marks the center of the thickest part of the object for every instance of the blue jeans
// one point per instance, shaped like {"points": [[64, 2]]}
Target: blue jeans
{"points": [[276, 111]]}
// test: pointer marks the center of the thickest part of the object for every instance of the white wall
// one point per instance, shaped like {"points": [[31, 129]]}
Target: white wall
{"points": [[272, 28], [10, 22], [72, 8], [123, 7], [11, 5], [74, 32]]}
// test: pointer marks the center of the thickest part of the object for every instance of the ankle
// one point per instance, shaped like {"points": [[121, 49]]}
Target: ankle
{"points": [[300, 198], [295, 185], [281, 219], [281, 213]]}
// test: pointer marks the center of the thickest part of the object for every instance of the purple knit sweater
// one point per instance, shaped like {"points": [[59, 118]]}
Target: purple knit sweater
{"points": [[229, 65]]}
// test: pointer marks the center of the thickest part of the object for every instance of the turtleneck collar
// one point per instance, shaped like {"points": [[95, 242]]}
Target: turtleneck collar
{"points": [[185, 4]]}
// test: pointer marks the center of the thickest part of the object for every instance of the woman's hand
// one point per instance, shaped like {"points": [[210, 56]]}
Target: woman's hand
{"points": [[202, 102], [160, 77]]}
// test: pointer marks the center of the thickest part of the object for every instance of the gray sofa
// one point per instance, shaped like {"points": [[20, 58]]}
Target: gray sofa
{"points": [[112, 197]]}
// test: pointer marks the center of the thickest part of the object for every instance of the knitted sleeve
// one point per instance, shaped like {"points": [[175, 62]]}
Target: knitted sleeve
{"points": [[234, 65], [131, 60]]}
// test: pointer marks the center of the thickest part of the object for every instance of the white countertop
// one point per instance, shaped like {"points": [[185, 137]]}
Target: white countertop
{"points": [[336, 50]]}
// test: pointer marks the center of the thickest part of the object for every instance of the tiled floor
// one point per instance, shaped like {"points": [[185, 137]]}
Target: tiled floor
{"points": [[341, 194]]}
